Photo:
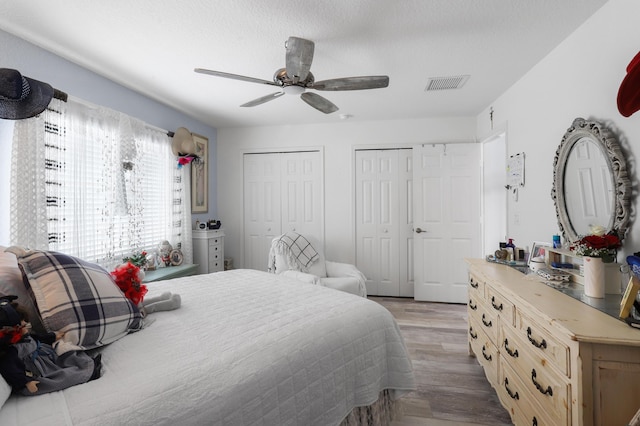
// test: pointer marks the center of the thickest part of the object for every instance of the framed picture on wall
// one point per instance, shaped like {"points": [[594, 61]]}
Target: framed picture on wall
{"points": [[200, 176]]}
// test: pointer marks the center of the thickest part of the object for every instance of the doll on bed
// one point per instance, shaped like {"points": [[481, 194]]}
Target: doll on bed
{"points": [[28, 362]]}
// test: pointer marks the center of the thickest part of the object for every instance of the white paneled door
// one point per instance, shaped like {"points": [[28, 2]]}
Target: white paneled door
{"points": [[590, 184], [383, 220], [446, 180], [282, 192]]}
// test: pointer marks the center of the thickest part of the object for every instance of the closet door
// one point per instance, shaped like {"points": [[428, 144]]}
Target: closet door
{"points": [[301, 188], [405, 217], [383, 226], [282, 192], [262, 200]]}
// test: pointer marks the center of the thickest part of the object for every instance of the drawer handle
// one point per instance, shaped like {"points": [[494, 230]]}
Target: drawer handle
{"points": [[541, 345], [473, 284], [547, 391], [484, 321], [511, 394], [514, 354], [484, 354], [472, 306], [472, 334], [496, 307]]}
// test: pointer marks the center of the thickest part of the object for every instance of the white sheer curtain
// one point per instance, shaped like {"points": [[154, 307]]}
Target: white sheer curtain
{"points": [[97, 184]]}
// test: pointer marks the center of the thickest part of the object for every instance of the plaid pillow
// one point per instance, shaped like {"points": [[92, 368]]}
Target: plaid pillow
{"points": [[78, 298]]}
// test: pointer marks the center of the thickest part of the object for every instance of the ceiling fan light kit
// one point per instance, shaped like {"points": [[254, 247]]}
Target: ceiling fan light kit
{"points": [[293, 90], [296, 78]]}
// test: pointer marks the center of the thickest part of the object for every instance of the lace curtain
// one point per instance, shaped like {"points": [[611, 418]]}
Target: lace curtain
{"points": [[97, 184]]}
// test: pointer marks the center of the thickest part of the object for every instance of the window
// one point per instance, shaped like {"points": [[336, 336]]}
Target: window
{"points": [[101, 184]]}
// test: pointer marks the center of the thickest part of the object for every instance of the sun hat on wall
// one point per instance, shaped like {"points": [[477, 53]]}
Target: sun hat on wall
{"points": [[629, 92], [182, 142], [20, 96]]}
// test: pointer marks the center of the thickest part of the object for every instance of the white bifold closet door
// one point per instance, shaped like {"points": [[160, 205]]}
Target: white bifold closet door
{"points": [[417, 218], [384, 247], [282, 192]]}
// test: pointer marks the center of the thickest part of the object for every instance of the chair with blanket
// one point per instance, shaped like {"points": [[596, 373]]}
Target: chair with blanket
{"points": [[301, 257]]}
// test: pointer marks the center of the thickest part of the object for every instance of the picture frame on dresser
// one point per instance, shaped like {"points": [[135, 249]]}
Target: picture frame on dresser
{"points": [[537, 249], [200, 175], [629, 297]]}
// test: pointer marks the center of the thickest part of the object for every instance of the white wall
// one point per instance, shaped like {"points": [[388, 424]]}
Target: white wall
{"points": [[580, 78], [339, 142]]}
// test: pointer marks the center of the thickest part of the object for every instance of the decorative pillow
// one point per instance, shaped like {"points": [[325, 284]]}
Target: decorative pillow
{"points": [[78, 298], [11, 284]]}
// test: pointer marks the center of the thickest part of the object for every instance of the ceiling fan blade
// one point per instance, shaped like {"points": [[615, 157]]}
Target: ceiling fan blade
{"points": [[263, 99], [353, 83], [319, 103], [234, 76], [299, 58]]}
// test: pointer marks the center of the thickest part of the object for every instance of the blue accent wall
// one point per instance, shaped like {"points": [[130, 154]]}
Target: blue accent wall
{"points": [[34, 62]]}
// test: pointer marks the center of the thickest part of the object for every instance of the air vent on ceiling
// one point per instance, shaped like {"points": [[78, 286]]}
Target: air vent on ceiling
{"points": [[446, 83]]}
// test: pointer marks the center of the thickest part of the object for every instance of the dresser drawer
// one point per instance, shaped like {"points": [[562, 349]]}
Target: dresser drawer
{"points": [[547, 386], [485, 351], [516, 398], [487, 320], [543, 343], [501, 305], [216, 265], [473, 305], [476, 288]]}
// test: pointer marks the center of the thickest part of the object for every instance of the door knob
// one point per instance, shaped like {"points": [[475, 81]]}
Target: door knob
{"points": [[418, 230]]}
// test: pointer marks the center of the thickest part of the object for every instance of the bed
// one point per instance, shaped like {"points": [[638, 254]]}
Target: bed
{"points": [[245, 348]]}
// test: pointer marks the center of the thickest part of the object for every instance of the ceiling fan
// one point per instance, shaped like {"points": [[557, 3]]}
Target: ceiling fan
{"points": [[296, 78]]}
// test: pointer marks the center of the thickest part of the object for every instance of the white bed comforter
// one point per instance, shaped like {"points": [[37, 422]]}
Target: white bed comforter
{"points": [[245, 348]]}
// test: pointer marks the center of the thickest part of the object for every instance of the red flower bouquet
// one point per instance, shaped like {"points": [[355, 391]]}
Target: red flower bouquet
{"points": [[604, 246], [129, 277]]}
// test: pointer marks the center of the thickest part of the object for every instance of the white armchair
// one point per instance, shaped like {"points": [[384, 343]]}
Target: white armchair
{"points": [[302, 258]]}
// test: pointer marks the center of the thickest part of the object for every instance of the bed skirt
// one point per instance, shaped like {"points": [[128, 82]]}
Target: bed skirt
{"points": [[380, 413]]}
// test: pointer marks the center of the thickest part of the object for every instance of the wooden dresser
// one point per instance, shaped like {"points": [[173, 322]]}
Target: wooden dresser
{"points": [[552, 360]]}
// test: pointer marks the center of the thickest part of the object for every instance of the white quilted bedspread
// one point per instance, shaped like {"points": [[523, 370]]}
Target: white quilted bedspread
{"points": [[245, 348]]}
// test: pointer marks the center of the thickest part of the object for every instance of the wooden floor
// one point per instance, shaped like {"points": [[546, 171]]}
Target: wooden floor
{"points": [[451, 386]]}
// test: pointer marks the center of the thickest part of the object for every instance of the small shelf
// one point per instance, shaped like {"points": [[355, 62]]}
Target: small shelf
{"points": [[612, 270], [170, 272], [565, 256]]}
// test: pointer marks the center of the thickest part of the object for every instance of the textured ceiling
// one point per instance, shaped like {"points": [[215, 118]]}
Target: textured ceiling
{"points": [[152, 46]]}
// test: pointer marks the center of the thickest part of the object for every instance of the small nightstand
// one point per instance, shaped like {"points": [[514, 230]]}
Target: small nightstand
{"points": [[208, 250], [169, 272]]}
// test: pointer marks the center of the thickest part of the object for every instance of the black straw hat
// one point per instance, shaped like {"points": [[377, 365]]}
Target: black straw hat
{"points": [[20, 96], [8, 315]]}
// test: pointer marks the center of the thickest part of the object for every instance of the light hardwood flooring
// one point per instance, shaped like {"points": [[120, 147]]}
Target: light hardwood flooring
{"points": [[451, 386]]}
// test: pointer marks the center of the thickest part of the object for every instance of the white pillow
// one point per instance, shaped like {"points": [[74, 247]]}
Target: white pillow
{"points": [[5, 391], [11, 283]]}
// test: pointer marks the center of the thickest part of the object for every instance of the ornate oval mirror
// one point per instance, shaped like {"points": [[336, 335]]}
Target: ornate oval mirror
{"points": [[590, 181]]}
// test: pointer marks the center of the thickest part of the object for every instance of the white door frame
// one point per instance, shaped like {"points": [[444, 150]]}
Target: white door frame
{"points": [[494, 194]]}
